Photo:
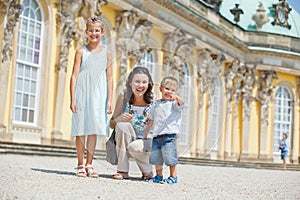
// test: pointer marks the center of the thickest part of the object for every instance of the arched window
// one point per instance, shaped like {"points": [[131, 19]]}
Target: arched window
{"points": [[148, 61], [28, 63], [282, 117], [185, 95], [214, 116]]}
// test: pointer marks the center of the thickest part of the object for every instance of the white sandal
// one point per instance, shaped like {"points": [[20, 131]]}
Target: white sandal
{"points": [[91, 172], [80, 171]]}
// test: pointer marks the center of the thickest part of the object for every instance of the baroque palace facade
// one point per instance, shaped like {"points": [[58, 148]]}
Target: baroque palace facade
{"points": [[238, 66]]}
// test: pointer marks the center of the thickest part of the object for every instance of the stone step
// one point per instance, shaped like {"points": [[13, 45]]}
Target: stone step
{"points": [[207, 162], [65, 151]]}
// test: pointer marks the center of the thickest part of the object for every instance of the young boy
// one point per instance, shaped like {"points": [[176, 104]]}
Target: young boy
{"points": [[165, 117]]}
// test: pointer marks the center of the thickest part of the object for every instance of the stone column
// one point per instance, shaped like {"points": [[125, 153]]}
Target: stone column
{"points": [[250, 137], [295, 137], [235, 148], [202, 128], [66, 24], [228, 131], [11, 12]]}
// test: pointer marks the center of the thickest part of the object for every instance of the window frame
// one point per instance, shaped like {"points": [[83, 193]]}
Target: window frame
{"points": [[31, 64]]}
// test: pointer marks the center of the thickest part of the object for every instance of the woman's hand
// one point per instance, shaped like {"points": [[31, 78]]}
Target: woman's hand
{"points": [[125, 117]]}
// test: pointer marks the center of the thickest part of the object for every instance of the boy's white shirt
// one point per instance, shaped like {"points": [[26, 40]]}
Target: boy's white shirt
{"points": [[166, 116]]}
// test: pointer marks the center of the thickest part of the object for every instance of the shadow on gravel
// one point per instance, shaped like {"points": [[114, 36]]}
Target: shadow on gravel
{"points": [[108, 176], [54, 171]]}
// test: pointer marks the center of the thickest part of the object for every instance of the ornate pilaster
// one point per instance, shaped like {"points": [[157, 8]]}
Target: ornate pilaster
{"points": [[265, 91], [298, 89], [66, 27], [240, 81], [178, 50], [10, 9], [264, 94], [132, 39], [208, 69]]}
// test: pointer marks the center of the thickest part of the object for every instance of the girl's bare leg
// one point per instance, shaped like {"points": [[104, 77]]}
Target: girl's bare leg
{"points": [[91, 145], [80, 144]]}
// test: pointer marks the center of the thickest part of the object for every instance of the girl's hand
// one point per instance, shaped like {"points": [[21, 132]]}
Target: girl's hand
{"points": [[125, 117], [109, 107], [73, 107]]}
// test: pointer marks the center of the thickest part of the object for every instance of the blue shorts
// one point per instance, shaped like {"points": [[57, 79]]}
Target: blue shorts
{"points": [[284, 155], [164, 150]]}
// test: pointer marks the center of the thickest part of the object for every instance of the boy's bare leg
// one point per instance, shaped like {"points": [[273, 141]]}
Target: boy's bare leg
{"points": [[284, 164], [173, 171], [159, 170]]}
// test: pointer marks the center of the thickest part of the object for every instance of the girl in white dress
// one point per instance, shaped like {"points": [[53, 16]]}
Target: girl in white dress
{"points": [[91, 95]]}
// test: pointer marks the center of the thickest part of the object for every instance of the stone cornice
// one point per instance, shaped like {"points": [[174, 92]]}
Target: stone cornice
{"points": [[200, 17]]}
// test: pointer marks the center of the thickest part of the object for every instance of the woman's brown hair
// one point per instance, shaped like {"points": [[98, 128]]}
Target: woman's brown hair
{"points": [[148, 96]]}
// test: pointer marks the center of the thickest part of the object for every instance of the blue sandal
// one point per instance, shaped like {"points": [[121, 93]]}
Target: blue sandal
{"points": [[156, 179], [170, 180]]}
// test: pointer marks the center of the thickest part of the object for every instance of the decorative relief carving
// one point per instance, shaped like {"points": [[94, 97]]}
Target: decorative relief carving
{"points": [[178, 50], [265, 91], [12, 10], [260, 17], [209, 68], [89, 8], [132, 38], [240, 81], [298, 88], [66, 24], [282, 10]]}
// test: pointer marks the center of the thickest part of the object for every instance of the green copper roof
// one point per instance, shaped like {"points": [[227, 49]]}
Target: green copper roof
{"points": [[249, 8]]}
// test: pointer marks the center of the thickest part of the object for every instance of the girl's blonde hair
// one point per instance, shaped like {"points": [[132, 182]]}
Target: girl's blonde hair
{"points": [[95, 20]]}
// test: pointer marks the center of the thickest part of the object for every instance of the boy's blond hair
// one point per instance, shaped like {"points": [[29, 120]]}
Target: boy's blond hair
{"points": [[167, 79], [95, 20]]}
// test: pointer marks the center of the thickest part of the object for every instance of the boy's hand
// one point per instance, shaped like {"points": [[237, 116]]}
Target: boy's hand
{"points": [[174, 97]]}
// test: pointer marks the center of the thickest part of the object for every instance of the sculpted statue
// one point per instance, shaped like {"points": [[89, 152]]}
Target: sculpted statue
{"points": [[177, 49], [265, 91], [12, 10], [209, 68], [66, 25], [91, 8], [132, 38], [265, 87]]}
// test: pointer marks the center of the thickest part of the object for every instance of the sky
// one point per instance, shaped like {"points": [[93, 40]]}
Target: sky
{"points": [[295, 4]]}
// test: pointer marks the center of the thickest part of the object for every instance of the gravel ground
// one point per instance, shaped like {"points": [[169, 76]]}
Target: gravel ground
{"points": [[38, 177]]}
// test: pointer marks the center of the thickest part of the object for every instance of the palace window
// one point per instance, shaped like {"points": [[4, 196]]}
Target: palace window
{"points": [[282, 117], [148, 61], [28, 63], [185, 95]]}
